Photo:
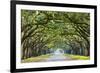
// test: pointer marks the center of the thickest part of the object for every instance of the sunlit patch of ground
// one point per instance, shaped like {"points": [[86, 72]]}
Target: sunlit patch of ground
{"points": [[53, 57], [77, 57], [36, 59]]}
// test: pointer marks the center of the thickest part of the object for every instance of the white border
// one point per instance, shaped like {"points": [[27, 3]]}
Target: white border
{"points": [[20, 65]]}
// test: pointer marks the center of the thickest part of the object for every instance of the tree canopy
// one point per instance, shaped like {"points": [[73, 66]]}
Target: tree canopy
{"points": [[42, 31]]}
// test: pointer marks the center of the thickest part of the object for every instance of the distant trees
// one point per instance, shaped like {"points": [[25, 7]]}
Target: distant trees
{"points": [[43, 30]]}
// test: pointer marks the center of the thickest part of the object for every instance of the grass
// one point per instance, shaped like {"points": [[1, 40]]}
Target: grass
{"points": [[78, 57], [36, 59]]}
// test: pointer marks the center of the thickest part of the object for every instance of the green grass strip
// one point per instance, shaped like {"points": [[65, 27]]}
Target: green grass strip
{"points": [[77, 57], [36, 59]]}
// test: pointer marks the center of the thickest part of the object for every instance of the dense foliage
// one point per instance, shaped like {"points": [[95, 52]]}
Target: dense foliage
{"points": [[44, 31]]}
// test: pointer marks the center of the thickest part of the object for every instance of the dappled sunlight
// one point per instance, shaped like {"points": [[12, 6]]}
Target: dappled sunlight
{"points": [[55, 33]]}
